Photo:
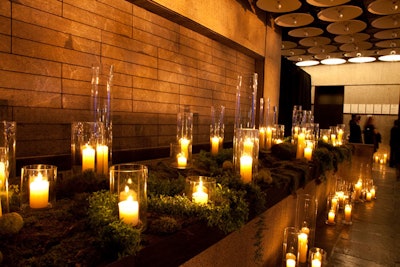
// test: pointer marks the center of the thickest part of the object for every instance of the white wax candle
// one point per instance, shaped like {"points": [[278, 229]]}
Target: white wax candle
{"points": [[333, 139], [347, 213], [373, 192], [300, 145], [303, 247], [184, 147], [2, 174], [102, 159], [325, 138], [316, 263], [368, 197], [308, 153], [214, 145], [88, 155], [39, 192], [331, 216], [290, 256], [269, 137], [182, 161], [129, 211], [278, 141], [376, 159], [290, 263], [246, 168], [1, 210], [334, 203], [199, 196], [305, 230], [340, 136]]}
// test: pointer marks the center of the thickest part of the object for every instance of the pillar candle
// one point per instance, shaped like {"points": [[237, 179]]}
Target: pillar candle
{"points": [[373, 192], [325, 138], [303, 247], [308, 153], [316, 263], [331, 216], [262, 138], [129, 211], [214, 145], [334, 204], [269, 137], [1, 210], [88, 154], [340, 136], [184, 147], [182, 160], [39, 192], [246, 168], [102, 159], [248, 146], [347, 213], [290, 263], [300, 145], [333, 139], [368, 197], [2, 174]]}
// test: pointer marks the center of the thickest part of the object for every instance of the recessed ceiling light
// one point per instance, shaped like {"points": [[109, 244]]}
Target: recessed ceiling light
{"points": [[307, 63], [333, 61]]}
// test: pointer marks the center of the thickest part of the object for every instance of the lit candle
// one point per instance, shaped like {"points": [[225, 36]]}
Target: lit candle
{"points": [[214, 145], [340, 195], [305, 230], [334, 203], [384, 158], [39, 192], [129, 211], [333, 139], [269, 137], [373, 192], [290, 263], [331, 216], [290, 256], [182, 160], [262, 137], [340, 136], [1, 210], [300, 145], [325, 138], [381, 161], [102, 159], [347, 213], [124, 195], [246, 168], [316, 263], [184, 147], [88, 154], [303, 247], [368, 197], [278, 141], [308, 152], [357, 188], [200, 196], [2, 174], [376, 159]]}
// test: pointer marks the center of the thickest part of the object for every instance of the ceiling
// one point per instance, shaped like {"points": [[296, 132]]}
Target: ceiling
{"points": [[321, 29]]}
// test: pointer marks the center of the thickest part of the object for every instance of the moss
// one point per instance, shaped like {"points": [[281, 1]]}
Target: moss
{"points": [[11, 223]]}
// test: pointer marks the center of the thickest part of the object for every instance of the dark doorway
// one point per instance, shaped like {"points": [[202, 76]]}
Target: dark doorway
{"points": [[328, 105]]}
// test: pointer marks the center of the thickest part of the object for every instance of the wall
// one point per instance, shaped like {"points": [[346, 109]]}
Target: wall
{"points": [[48, 47], [369, 83]]}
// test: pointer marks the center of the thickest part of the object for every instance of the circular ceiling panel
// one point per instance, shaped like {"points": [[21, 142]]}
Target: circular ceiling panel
{"points": [[292, 52], [294, 20], [328, 55], [306, 32], [327, 3], [340, 13], [301, 58], [346, 27], [364, 53], [388, 51], [387, 22], [388, 34], [314, 41], [384, 7], [355, 46], [288, 45], [389, 43], [351, 38], [321, 49], [278, 6]]}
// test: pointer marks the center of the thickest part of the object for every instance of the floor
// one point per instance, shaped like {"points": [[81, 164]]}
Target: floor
{"points": [[373, 238]]}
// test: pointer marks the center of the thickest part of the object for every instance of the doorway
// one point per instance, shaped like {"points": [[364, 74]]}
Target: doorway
{"points": [[328, 105]]}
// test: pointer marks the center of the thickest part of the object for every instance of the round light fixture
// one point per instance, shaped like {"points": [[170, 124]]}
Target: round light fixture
{"points": [[361, 59], [333, 61], [307, 63], [391, 57]]}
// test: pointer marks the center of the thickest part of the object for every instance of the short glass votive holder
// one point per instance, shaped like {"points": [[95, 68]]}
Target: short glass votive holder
{"points": [[317, 257], [278, 134], [129, 182], [340, 131], [216, 138], [324, 135], [89, 148], [38, 186], [200, 189], [290, 246], [332, 207]]}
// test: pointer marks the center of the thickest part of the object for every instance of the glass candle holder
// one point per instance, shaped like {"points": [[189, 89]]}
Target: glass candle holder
{"points": [[89, 148], [178, 157], [340, 131], [278, 134], [8, 131], [200, 189], [306, 216], [38, 186], [217, 129], [333, 135], [317, 257], [184, 134], [347, 212], [245, 153], [290, 246], [324, 135], [129, 182], [4, 172], [332, 207]]}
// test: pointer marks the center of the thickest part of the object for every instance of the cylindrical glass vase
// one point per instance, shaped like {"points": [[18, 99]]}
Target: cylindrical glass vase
{"points": [[290, 246], [38, 186], [200, 189], [217, 129], [306, 216], [8, 131], [184, 135], [317, 257], [245, 153], [4, 172], [129, 182], [89, 148]]}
